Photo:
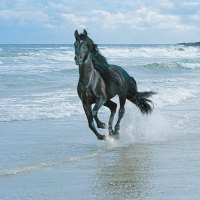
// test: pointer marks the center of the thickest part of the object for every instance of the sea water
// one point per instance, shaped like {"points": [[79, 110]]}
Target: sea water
{"points": [[47, 150]]}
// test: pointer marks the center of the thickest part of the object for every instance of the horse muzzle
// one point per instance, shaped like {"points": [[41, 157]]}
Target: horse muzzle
{"points": [[78, 60]]}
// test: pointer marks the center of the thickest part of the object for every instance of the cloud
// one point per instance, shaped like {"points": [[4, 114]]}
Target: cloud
{"points": [[55, 6], [77, 20], [165, 4], [110, 20], [190, 3], [148, 18], [143, 18], [131, 14], [195, 17], [24, 17], [138, 18]]}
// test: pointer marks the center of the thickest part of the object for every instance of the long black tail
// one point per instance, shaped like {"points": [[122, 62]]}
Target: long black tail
{"points": [[140, 99]]}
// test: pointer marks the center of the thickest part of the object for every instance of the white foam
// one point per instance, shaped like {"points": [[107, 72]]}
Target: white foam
{"points": [[161, 81], [41, 60], [111, 142], [64, 47], [53, 105], [60, 55], [190, 65], [46, 56], [168, 96], [151, 52], [137, 128]]}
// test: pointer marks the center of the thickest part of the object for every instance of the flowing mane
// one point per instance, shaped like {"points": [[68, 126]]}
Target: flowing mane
{"points": [[100, 62]]}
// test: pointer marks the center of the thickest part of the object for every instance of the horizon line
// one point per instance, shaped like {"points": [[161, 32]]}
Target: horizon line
{"points": [[97, 43]]}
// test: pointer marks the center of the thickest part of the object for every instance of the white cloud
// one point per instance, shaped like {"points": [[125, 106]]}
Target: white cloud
{"points": [[142, 18], [55, 6], [140, 15], [165, 4], [196, 17], [24, 17], [110, 20], [128, 17], [77, 20], [148, 18], [190, 3]]}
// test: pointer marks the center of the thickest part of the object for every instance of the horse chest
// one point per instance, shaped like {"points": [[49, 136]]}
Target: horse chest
{"points": [[86, 91]]}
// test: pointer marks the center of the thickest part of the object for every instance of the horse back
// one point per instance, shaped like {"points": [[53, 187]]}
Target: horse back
{"points": [[121, 78]]}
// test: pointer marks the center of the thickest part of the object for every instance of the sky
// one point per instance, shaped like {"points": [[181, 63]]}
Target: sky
{"points": [[107, 21]]}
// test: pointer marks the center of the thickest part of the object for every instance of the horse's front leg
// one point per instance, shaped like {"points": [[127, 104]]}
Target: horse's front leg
{"points": [[99, 103], [88, 112], [120, 115], [112, 106]]}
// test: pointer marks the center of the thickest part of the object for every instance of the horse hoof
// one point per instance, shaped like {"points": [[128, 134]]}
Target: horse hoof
{"points": [[101, 137], [102, 125], [111, 132], [116, 136]]}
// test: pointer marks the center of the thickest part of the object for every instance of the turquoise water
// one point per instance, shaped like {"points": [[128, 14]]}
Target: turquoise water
{"points": [[47, 150]]}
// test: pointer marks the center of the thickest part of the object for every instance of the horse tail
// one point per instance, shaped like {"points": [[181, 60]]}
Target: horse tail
{"points": [[140, 99]]}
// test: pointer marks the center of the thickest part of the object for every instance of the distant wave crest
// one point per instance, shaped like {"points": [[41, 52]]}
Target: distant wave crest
{"points": [[152, 52], [170, 66]]}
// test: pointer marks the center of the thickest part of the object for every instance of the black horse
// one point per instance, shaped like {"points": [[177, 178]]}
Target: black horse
{"points": [[99, 82]]}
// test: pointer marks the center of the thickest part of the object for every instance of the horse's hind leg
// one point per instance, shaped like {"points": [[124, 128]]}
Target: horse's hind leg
{"points": [[88, 113], [120, 114], [112, 106], [99, 103]]}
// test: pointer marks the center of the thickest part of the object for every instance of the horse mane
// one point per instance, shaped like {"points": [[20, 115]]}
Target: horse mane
{"points": [[99, 61]]}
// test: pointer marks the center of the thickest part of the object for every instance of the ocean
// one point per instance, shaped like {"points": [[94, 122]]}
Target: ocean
{"points": [[48, 152]]}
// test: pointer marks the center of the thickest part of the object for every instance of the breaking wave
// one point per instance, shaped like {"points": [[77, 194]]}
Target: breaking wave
{"points": [[168, 66], [39, 81], [50, 105], [152, 52]]}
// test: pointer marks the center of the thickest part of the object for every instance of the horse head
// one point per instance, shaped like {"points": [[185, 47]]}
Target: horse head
{"points": [[82, 47]]}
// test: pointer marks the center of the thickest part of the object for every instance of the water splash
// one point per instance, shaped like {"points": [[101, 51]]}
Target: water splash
{"points": [[111, 142], [137, 128]]}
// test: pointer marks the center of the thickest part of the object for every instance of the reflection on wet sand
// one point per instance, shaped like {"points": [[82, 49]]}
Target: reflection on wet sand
{"points": [[123, 173]]}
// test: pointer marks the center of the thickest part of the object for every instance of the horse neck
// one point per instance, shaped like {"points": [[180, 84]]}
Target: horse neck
{"points": [[86, 70]]}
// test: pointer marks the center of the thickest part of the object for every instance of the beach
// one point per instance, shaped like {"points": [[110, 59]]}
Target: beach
{"points": [[48, 152]]}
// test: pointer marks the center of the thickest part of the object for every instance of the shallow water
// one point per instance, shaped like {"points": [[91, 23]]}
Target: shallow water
{"points": [[48, 152], [57, 160]]}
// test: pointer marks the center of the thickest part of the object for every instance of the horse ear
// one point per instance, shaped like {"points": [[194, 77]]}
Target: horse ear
{"points": [[84, 32], [76, 34]]}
